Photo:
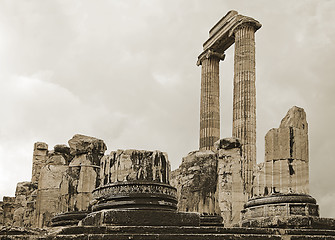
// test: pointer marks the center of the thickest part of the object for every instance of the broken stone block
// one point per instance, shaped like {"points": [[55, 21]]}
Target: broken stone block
{"points": [[134, 165], [80, 178], [227, 143], [25, 201], [63, 150], [295, 117], [81, 144]]}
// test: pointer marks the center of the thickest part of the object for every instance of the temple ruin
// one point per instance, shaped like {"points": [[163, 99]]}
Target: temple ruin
{"points": [[77, 191]]}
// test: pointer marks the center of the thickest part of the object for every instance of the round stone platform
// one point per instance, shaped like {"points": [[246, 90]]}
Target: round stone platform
{"points": [[280, 210], [137, 203]]}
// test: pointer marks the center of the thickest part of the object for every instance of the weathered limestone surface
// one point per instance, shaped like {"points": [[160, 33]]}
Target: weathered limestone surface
{"points": [[132, 165], [230, 190], [286, 166], [39, 159], [211, 181], [7, 207], [68, 178], [25, 204], [196, 181], [81, 144], [82, 175], [48, 194]]}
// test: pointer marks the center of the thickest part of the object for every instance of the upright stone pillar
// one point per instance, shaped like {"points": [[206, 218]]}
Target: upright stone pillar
{"points": [[39, 160], [244, 102], [210, 103]]}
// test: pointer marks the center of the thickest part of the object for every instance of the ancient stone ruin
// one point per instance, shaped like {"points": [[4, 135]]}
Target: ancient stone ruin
{"points": [[218, 192]]}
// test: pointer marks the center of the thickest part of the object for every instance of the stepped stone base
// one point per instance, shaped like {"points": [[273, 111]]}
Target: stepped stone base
{"points": [[166, 233], [140, 218], [211, 220]]}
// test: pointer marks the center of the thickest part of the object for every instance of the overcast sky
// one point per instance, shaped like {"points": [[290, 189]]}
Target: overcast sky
{"points": [[125, 71]]}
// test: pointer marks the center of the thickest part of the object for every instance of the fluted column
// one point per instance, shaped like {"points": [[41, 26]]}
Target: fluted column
{"points": [[244, 102], [209, 103]]}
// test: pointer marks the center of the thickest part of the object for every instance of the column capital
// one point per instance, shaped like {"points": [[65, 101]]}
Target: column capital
{"points": [[245, 22], [210, 54]]}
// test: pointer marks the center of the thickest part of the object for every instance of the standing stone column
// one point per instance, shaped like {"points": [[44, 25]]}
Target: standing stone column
{"points": [[210, 103], [244, 102]]}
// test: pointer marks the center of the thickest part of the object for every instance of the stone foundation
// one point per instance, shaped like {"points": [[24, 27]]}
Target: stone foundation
{"points": [[166, 233]]}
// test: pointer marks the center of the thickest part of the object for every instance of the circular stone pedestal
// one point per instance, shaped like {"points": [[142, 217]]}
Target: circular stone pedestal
{"points": [[138, 203], [289, 210], [136, 195]]}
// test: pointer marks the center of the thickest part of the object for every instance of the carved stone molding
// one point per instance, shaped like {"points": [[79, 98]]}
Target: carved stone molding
{"points": [[126, 188], [136, 196]]}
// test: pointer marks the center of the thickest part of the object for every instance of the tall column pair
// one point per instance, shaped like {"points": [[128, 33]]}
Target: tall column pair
{"points": [[244, 100]]}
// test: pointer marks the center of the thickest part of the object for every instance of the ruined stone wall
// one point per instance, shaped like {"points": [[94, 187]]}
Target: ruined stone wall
{"points": [[48, 194], [211, 182], [7, 210], [196, 181], [286, 166], [25, 204], [68, 178]]}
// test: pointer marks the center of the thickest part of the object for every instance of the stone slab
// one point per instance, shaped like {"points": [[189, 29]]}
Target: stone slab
{"points": [[165, 233], [141, 218]]}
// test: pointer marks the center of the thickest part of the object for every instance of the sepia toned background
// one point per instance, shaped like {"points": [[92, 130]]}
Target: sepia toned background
{"points": [[125, 72]]}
